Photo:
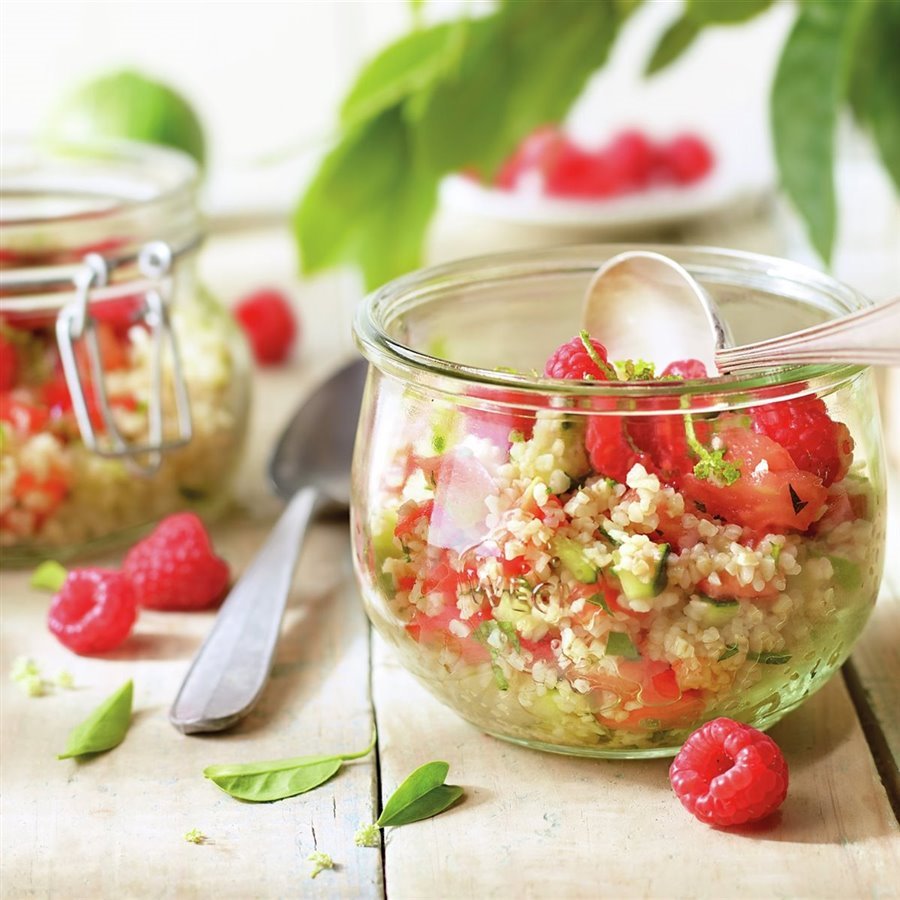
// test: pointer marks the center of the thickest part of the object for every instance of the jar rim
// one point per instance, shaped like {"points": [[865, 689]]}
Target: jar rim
{"points": [[382, 306]]}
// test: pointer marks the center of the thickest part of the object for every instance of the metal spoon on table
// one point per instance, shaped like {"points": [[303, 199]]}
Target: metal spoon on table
{"points": [[311, 469]]}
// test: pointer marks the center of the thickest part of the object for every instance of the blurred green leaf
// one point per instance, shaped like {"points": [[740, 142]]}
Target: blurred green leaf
{"points": [[875, 84], [698, 14], [128, 105], [369, 203], [521, 68], [411, 64], [809, 86], [674, 41], [726, 12]]}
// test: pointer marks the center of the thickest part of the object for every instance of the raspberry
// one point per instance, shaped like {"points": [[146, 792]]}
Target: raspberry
{"points": [[816, 443], [535, 154], [9, 365], [93, 612], [630, 155], [686, 158], [581, 359], [579, 173], [175, 568], [269, 323], [686, 369], [728, 774], [609, 450]]}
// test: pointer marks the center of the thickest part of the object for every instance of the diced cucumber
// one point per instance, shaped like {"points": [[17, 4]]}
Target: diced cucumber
{"points": [[619, 644], [636, 589], [571, 555], [718, 612], [847, 574], [385, 546]]}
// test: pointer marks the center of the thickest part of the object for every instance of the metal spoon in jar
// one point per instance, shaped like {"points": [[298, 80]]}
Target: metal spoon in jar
{"points": [[644, 305], [311, 469]]}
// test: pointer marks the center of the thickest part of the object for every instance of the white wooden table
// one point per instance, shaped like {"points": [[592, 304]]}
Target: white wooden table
{"points": [[532, 824]]}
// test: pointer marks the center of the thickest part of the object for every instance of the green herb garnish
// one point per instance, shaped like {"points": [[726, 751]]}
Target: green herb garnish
{"points": [[264, 782], [422, 795], [729, 651], [769, 659], [105, 727], [635, 370], [599, 600], [711, 464]]}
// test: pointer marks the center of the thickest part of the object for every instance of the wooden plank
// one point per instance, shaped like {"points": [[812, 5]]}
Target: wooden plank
{"points": [[114, 826], [538, 825]]}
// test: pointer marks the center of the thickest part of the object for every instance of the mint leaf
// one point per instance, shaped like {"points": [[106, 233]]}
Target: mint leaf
{"points": [[410, 65], [522, 67], [49, 576], [105, 727], [264, 782], [674, 42], [369, 203], [875, 83], [810, 84], [729, 651], [422, 795], [681, 34]]}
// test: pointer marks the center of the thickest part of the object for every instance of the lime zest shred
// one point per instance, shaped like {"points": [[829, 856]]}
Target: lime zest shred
{"points": [[596, 358], [711, 464]]}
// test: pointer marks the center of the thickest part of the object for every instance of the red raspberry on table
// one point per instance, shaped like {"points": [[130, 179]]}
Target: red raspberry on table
{"points": [[630, 155], [535, 154], [9, 365], [579, 173], [728, 774], [686, 158], [581, 359], [269, 323], [93, 612], [816, 443], [175, 568]]}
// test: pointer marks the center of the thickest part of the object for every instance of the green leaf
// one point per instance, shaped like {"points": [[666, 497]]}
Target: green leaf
{"points": [[422, 795], [520, 68], [673, 43], [369, 203], [599, 600], [875, 84], [698, 14], [105, 727], [729, 651], [809, 86], [619, 644], [49, 576], [264, 782], [411, 64], [725, 12]]}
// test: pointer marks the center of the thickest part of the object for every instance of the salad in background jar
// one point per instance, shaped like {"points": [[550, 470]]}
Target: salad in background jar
{"points": [[124, 386]]}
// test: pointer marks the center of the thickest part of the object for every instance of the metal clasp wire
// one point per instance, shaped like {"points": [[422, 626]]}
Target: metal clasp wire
{"points": [[75, 323]]}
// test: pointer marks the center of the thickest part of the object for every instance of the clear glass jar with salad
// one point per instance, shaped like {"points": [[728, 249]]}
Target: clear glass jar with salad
{"points": [[124, 386], [598, 565]]}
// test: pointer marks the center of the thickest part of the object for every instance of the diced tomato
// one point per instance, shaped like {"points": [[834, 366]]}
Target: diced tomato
{"points": [[515, 568], [113, 354], [436, 630], [23, 417], [684, 712], [54, 488], [406, 524], [9, 365], [729, 588], [540, 650], [772, 494]]}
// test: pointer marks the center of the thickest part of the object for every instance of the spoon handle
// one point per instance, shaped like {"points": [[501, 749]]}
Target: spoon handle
{"points": [[230, 670], [870, 336]]}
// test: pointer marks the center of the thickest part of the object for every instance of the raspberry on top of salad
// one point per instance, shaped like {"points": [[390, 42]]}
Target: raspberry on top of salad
{"points": [[611, 579]]}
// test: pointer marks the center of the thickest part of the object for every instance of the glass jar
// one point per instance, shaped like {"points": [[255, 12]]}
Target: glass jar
{"points": [[124, 386], [548, 557]]}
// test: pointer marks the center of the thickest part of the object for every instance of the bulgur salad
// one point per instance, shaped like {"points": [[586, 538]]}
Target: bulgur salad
{"points": [[604, 583]]}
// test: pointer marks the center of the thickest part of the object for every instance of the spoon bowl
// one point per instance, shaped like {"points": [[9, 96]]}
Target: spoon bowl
{"points": [[647, 306]]}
